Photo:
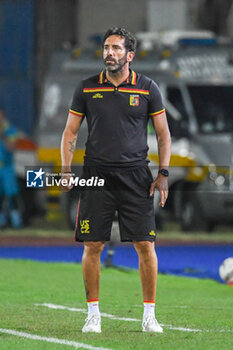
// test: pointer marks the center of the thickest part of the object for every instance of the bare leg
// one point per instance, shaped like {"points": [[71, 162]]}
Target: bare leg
{"points": [[148, 268], [91, 268]]}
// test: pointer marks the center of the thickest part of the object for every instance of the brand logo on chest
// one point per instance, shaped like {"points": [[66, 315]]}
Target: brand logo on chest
{"points": [[98, 95], [134, 100]]}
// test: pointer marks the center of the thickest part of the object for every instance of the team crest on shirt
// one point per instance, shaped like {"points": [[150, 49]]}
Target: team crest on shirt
{"points": [[134, 100]]}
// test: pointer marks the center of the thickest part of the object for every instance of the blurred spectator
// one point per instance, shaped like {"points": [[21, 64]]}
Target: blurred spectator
{"points": [[9, 190]]}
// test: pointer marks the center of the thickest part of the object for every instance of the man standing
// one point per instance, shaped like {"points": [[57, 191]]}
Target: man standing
{"points": [[9, 189], [118, 104]]}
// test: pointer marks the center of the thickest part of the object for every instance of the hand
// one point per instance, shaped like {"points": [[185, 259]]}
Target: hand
{"points": [[65, 185], [160, 184]]}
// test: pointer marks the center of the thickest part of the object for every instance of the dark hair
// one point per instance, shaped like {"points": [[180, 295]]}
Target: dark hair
{"points": [[130, 40]]}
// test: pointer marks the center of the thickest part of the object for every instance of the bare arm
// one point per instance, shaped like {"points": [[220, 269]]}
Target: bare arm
{"points": [[68, 143], [164, 150], [163, 139]]}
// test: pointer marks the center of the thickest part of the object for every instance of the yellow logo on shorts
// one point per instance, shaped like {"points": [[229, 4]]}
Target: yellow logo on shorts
{"points": [[152, 233], [85, 226]]}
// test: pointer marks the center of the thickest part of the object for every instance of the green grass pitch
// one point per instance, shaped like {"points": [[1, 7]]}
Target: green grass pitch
{"points": [[181, 303]]}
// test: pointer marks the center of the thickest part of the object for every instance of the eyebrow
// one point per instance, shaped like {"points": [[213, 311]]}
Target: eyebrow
{"points": [[114, 45]]}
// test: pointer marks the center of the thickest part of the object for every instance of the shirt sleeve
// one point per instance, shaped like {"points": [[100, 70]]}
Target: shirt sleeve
{"points": [[77, 107], [156, 106]]}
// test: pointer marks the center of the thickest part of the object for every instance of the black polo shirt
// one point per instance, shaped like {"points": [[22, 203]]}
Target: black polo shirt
{"points": [[117, 118]]}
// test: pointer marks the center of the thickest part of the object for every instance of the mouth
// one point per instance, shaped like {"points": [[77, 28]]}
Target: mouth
{"points": [[109, 61]]}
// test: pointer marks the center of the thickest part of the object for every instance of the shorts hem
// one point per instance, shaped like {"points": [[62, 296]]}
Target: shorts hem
{"points": [[138, 239], [92, 240]]}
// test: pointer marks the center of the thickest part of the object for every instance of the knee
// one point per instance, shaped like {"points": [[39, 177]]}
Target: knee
{"points": [[93, 248], [144, 248]]}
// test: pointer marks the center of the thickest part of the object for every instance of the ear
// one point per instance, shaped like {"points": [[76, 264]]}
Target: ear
{"points": [[130, 56]]}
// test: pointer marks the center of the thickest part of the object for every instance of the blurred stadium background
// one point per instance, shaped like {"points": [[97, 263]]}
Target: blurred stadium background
{"points": [[47, 46]]}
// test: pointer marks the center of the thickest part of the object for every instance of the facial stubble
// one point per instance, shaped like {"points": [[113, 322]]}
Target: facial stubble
{"points": [[122, 61]]}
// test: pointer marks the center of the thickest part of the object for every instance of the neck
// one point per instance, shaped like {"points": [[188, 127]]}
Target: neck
{"points": [[118, 78]]}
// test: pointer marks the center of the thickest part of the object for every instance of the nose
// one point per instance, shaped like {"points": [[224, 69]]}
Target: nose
{"points": [[109, 51]]}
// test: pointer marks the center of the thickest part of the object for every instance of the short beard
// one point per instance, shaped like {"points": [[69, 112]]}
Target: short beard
{"points": [[119, 67]]}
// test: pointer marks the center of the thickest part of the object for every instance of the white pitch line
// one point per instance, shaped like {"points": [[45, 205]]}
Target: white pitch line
{"points": [[113, 317], [181, 328], [61, 307], [75, 344]]}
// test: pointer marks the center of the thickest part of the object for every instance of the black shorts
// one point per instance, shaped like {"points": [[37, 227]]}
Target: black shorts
{"points": [[126, 191]]}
